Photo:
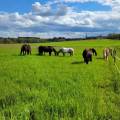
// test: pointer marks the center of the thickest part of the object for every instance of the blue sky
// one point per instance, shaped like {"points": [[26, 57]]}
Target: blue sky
{"points": [[54, 18], [23, 6]]}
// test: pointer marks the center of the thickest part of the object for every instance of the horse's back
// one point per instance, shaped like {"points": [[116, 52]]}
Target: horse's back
{"points": [[106, 51], [67, 49], [46, 48]]}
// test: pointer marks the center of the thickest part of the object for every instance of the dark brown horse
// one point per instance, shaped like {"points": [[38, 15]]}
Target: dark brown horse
{"points": [[25, 49], [49, 49], [87, 54]]}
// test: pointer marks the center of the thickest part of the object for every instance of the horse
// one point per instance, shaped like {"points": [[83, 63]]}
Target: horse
{"points": [[87, 54], [66, 50], [25, 49], [106, 53], [93, 51], [49, 49]]}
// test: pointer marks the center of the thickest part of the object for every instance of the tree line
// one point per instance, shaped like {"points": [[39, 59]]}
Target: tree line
{"points": [[55, 39], [34, 40]]}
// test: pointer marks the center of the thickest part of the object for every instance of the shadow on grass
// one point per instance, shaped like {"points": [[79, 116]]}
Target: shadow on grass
{"points": [[64, 56], [18, 55], [77, 62], [100, 58]]}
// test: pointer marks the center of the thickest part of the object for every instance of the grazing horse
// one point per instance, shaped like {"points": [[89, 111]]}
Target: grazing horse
{"points": [[43, 49], [66, 50], [93, 51], [25, 49], [106, 53], [87, 54]]}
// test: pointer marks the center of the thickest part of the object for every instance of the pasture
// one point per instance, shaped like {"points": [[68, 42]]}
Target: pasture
{"points": [[47, 87]]}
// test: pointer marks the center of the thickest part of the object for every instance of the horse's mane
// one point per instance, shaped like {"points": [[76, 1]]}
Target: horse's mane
{"points": [[54, 50]]}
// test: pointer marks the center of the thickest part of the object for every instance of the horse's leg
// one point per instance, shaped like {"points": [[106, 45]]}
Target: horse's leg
{"points": [[42, 53], [25, 52], [107, 58], [63, 54], [90, 58], [86, 60], [57, 53], [29, 52], [21, 52], [49, 53], [54, 53], [72, 53]]}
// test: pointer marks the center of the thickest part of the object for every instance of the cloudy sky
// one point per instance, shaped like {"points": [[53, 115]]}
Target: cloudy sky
{"points": [[53, 18]]}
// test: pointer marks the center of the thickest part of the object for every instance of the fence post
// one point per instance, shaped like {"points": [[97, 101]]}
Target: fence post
{"points": [[114, 55]]}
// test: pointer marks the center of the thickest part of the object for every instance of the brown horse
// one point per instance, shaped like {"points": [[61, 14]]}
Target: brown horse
{"points": [[106, 53], [49, 49], [25, 49], [87, 54]]}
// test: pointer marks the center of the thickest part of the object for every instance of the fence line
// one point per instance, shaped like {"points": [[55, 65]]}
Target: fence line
{"points": [[117, 68], [117, 57]]}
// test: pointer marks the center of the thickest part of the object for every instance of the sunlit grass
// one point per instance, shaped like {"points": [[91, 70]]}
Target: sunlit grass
{"points": [[56, 87]]}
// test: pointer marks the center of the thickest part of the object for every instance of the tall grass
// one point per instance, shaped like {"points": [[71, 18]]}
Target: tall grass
{"points": [[56, 87]]}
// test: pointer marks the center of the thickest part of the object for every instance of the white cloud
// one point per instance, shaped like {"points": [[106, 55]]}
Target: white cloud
{"points": [[104, 2], [43, 10], [114, 4], [47, 10], [44, 21]]}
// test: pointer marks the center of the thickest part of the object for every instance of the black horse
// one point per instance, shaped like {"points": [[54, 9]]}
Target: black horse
{"points": [[25, 49], [87, 54], [49, 49]]}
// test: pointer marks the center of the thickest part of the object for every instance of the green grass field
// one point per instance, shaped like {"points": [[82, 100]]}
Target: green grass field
{"points": [[59, 88]]}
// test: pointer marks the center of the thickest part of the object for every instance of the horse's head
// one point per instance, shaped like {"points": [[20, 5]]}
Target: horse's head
{"points": [[59, 51], [94, 51], [55, 52]]}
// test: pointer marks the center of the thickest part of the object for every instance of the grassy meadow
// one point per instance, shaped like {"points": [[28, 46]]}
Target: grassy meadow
{"points": [[46, 87]]}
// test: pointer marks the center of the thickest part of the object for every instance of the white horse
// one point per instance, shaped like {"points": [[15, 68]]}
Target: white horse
{"points": [[106, 53], [66, 50]]}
